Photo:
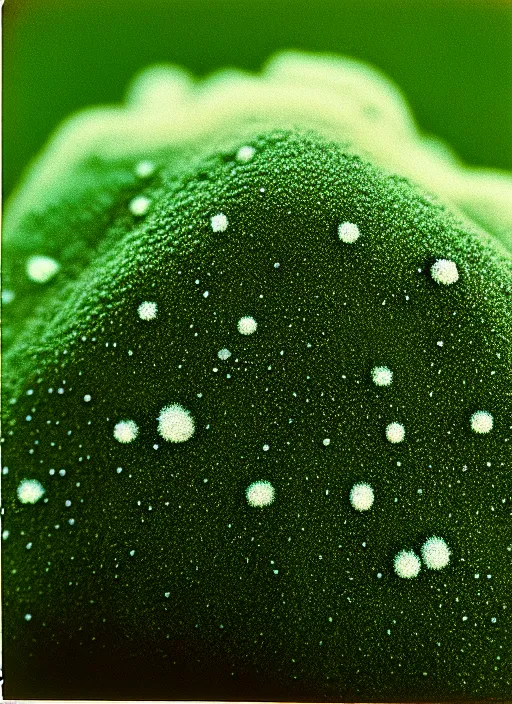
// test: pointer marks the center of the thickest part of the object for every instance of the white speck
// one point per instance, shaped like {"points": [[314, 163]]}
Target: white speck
{"points": [[482, 422], [28, 617], [219, 223], [361, 497], [147, 310], [224, 354], [245, 154], [175, 423], [29, 491], [167, 595], [28, 546], [379, 575], [139, 205], [144, 169], [119, 470], [435, 553], [444, 271], [260, 494], [132, 553], [464, 618], [493, 619], [382, 376], [395, 432], [348, 232], [206, 294], [247, 325], [407, 564], [276, 265], [87, 398], [41, 269], [5, 535], [440, 343], [326, 442], [126, 431], [67, 503], [8, 296], [266, 448]]}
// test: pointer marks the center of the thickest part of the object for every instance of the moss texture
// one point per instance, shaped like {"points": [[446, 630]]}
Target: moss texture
{"points": [[144, 570]]}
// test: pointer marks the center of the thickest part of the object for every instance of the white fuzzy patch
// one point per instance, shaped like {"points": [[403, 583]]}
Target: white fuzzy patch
{"points": [[348, 232], [407, 564], [361, 497], [41, 269], [175, 423], [219, 223], [139, 205], [245, 154], [382, 376], [260, 494], [30, 491], [126, 431], [435, 553], [482, 422], [395, 432], [147, 310], [247, 325], [444, 272]]}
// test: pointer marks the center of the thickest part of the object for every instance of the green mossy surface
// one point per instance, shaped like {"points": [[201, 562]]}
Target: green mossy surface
{"points": [[221, 599]]}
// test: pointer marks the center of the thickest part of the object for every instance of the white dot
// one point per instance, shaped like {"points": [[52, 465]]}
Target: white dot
{"points": [[29, 491], [247, 325], [224, 354], [260, 494], [147, 310], [5, 535], [482, 422], [266, 448], [41, 269], [348, 232], [139, 205], [245, 153], [132, 553], [126, 431], [8, 296], [326, 442], [219, 222], [361, 497], [28, 617], [382, 376], [444, 271], [175, 423], [435, 553], [144, 169], [87, 398], [395, 432], [407, 564]]}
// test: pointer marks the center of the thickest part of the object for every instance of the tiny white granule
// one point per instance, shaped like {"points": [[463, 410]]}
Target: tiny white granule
{"points": [[407, 564], [348, 232], [482, 422], [87, 398], [444, 271], [28, 617], [382, 376], [395, 432], [247, 325], [41, 269], [224, 353], [126, 431], [245, 153], [326, 442], [5, 535], [361, 497], [29, 491], [139, 205], [147, 310], [219, 223], [260, 494], [435, 553], [175, 423], [144, 169]]}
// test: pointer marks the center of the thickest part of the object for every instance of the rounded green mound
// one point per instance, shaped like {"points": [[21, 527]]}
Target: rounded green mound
{"points": [[261, 445]]}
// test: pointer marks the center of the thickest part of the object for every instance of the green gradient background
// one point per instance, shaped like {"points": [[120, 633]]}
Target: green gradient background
{"points": [[452, 59]]}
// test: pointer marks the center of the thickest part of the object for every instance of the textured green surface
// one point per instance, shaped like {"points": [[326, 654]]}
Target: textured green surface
{"points": [[221, 599]]}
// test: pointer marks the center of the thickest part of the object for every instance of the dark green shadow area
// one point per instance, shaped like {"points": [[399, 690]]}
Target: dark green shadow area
{"points": [[452, 60]]}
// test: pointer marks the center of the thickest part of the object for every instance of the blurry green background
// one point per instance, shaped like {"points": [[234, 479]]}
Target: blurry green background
{"points": [[451, 58]]}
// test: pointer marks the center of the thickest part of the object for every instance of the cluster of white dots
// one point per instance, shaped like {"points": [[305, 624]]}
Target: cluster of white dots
{"points": [[41, 269], [435, 553]]}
